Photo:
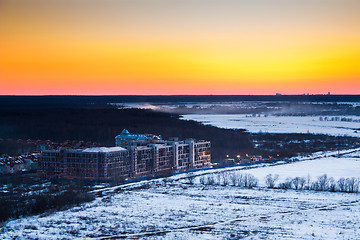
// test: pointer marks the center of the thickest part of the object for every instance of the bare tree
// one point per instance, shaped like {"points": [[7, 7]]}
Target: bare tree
{"points": [[233, 179], [164, 182], [224, 179], [245, 181], [332, 185], [190, 178], [341, 183], [202, 180], [322, 183], [218, 179], [250, 181], [287, 184], [253, 182], [240, 181], [270, 180], [351, 185], [308, 182], [210, 180], [298, 183]]}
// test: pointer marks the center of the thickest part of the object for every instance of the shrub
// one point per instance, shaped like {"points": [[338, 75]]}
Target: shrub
{"points": [[202, 180], [287, 184], [224, 179], [190, 178], [210, 180]]}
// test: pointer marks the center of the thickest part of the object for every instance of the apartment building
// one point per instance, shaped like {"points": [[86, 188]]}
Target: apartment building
{"points": [[202, 155], [135, 156], [174, 154], [142, 158], [163, 159], [99, 163]]}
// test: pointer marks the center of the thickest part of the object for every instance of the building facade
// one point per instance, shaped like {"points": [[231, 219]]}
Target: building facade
{"points": [[135, 156], [97, 163], [167, 155]]}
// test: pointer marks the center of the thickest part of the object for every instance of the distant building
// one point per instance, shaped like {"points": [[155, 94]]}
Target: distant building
{"points": [[163, 158], [201, 155], [168, 154], [18, 163], [126, 139], [135, 156], [256, 158], [143, 161], [99, 163]]}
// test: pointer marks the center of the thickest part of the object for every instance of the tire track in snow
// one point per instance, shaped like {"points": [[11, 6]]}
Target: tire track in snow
{"points": [[260, 217]]}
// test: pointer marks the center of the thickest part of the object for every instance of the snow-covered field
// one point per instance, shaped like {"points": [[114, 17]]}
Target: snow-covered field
{"points": [[280, 124], [332, 166], [196, 212], [156, 209]]}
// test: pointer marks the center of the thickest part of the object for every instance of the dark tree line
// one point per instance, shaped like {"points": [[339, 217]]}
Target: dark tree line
{"points": [[322, 183], [289, 145], [102, 125]]}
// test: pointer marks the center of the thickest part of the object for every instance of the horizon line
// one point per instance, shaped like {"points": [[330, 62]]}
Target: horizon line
{"points": [[135, 95]]}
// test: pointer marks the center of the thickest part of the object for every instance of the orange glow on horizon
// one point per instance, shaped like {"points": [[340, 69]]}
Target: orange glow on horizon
{"points": [[75, 57]]}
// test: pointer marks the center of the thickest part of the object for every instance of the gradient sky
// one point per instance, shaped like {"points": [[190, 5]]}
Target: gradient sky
{"points": [[179, 46]]}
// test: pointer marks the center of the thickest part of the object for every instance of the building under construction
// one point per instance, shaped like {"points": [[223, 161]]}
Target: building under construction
{"points": [[135, 156], [98, 163]]}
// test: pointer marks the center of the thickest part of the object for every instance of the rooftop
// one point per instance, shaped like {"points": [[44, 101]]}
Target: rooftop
{"points": [[125, 134], [104, 149]]}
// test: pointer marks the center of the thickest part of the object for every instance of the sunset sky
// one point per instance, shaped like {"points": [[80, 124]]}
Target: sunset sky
{"points": [[179, 47]]}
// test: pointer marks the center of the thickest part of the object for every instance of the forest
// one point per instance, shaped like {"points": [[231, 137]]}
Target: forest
{"points": [[101, 124]]}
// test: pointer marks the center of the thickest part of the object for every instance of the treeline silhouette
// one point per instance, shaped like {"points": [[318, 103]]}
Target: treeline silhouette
{"points": [[102, 125], [64, 101], [292, 144]]}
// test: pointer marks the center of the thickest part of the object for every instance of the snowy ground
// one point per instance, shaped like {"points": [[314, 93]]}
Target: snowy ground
{"points": [[181, 212], [332, 166], [280, 124], [175, 210]]}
